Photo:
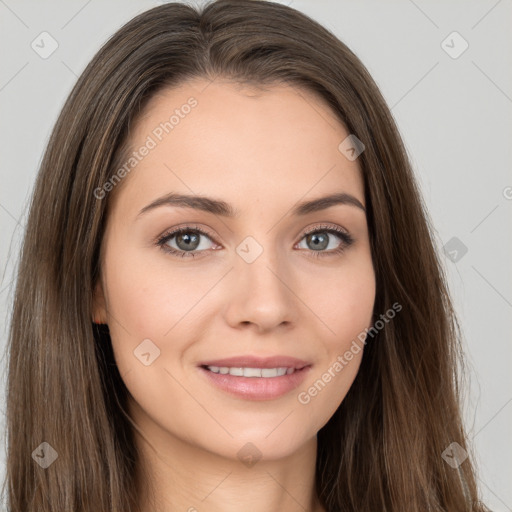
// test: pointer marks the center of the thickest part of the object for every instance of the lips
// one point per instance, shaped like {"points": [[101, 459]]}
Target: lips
{"points": [[289, 372]]}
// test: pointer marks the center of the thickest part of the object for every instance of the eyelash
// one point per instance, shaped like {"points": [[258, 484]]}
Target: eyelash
{"points": [[345, 237]]}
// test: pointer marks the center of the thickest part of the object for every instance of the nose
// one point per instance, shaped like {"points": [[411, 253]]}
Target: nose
{"points": [[261, 294]]}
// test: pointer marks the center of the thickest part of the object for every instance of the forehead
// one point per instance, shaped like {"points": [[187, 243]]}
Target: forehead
{"points": [[240, 143]]}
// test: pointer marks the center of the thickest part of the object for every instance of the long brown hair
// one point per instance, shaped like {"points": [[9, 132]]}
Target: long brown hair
{"points": [[382, 448]]}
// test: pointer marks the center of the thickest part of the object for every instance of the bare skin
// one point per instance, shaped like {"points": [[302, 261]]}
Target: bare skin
{"points": [[262, 152]]}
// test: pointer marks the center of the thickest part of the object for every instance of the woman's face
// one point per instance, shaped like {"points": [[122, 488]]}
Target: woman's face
{"points": [[258, 283]]}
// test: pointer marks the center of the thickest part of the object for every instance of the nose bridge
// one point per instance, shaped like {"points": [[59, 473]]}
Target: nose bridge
{"points": [[260, 281], [258, 262]]}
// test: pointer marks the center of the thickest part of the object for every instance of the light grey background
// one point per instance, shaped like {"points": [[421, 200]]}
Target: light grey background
{"points": [[454, 115]]}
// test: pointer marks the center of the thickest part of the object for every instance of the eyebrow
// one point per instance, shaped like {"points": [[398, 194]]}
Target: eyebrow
{"points": [[219, 207]]}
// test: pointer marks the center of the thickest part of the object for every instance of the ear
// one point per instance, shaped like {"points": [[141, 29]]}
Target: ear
{"points": [[99, 308]]}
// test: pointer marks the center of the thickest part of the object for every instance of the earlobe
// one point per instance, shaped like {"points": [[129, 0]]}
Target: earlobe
{"points": [[99, 310]]}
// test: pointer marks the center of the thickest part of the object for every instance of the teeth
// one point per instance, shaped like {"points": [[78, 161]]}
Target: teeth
{"points": [[252, 372]]}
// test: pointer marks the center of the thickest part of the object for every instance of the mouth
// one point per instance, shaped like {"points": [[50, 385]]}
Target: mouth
{"points": [[255, 383]]}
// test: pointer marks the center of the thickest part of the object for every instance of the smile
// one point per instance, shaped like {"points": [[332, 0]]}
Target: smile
{"points": [[252, 372]]}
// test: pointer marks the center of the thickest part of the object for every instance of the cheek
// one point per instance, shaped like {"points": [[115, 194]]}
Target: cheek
{"points": [[142, 304], [148, 296], [342, 300], [344, 303]]}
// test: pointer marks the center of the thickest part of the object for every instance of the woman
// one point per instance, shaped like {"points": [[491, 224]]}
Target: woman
{"points": [[229, 295]]}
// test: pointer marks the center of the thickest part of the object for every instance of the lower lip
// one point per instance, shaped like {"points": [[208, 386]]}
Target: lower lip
{"points": [[257, 388]]}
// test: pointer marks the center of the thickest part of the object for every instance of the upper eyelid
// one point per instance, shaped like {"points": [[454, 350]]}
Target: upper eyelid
{"points": [[325, 227]]}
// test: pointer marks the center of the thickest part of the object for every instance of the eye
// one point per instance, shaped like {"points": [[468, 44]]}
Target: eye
{"points": [[184, 241], [320, 239]]}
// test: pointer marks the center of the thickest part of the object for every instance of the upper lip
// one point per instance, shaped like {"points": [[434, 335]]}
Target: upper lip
{"points": [[258, 362]]}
